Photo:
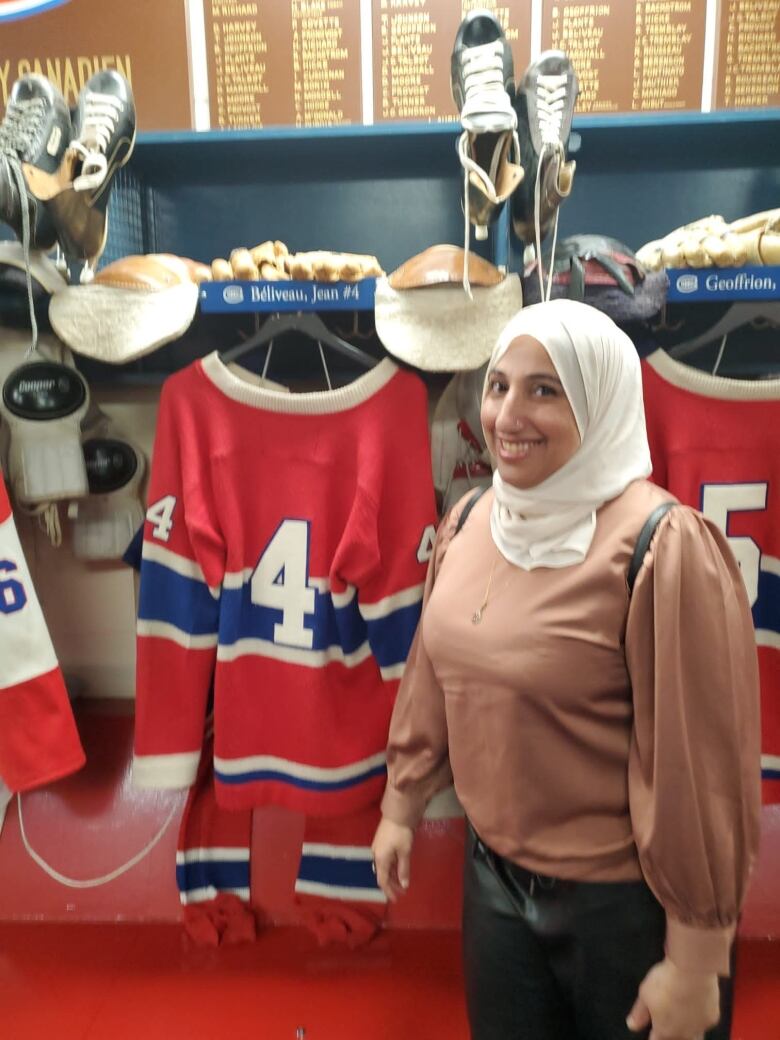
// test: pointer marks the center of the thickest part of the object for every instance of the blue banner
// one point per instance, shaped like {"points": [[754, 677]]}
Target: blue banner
{"points": [[691, 285], [222, 297]]}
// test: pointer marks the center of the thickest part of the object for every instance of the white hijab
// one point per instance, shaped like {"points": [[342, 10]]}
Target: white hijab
{"points": [[552, 524]]}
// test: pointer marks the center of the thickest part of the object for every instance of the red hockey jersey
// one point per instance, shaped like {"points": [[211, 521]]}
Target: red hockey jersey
{"points": [[284, 555], [38, 737], [715, 444]]}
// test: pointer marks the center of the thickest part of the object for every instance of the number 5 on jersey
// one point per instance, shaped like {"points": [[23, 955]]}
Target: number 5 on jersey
{"points": [[717, 501]]}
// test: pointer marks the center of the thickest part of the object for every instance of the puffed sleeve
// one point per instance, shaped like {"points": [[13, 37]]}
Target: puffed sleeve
{"points": [[418, 765], [694, 763]]}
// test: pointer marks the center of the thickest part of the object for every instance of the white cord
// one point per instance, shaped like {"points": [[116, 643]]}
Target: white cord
{"points": [[324, 365], [719, 358], [90, 882], [100, 118], [49, 521], [544, 294], [550, 103], [267, 358], [485, 94]]}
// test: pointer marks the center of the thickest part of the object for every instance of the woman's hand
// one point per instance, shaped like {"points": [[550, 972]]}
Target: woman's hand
{"points": [[681, 1004], [392, 847]]}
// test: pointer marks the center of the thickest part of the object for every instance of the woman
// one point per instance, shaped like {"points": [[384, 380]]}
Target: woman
{"points": [[605, 747]]}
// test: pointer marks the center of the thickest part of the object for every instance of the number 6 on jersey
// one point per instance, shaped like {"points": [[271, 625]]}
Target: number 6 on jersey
{"points": [[280, 581]]}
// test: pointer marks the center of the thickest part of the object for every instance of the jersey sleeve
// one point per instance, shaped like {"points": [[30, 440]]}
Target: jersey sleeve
{"points": [[694, 760], [38, 737], [418, 764], [178, 610], [400, 518], [654, 424]]}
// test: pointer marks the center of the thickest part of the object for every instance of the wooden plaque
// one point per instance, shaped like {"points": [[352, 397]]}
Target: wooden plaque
{"points": [[631, 55], [283, 62], [412, 42], [145, 40]]}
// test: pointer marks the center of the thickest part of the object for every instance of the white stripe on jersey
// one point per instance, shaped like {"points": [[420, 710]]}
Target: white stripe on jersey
{"points": [[383, 607], [291, 654], [393, 671], [770, 564], [164, 630], [766, 637], [27, 647], [362, 895], [213, 853], [238, 579], [271, 763], [313, 848], [203, 895], [341, 599], [770, 762], [174, 562], [166, 771]]}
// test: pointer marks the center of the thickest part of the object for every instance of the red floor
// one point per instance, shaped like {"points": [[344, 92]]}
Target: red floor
{"points": [[145, 982]]}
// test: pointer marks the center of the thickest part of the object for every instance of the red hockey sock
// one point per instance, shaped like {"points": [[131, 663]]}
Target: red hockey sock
{"points": [[212, 865], [336, 889]]}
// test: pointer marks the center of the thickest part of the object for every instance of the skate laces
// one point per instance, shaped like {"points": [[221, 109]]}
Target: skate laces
{"points": [[488, 180], [18, 131], [483, 85], [550, 105], [101, 113]]}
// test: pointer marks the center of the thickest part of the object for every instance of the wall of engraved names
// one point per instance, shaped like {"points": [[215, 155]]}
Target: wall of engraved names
{"points": [[235, 64]]}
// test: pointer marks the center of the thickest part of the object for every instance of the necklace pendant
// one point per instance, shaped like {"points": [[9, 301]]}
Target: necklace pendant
{"points": [[476, 617]]}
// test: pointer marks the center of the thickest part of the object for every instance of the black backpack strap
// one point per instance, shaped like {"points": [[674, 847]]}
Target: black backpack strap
{"points": [[644, 540], [478, 493]]}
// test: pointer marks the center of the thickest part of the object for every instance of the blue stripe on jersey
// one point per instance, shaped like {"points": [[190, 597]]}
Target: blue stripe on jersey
{"points": [[390, 637], [240, 618], [766, 609], [168, 596], [343, 873], [252, 775], [770, 773], [219, 874]]}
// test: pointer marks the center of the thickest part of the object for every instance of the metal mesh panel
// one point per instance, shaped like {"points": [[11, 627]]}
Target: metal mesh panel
{"points": [[126, 230]]}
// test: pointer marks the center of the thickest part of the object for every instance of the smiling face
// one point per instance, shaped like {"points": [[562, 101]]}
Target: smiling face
{"points": [[528, 422]]}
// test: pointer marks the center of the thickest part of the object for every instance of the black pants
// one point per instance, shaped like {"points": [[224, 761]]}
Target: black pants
{"points": [[556, 960]]}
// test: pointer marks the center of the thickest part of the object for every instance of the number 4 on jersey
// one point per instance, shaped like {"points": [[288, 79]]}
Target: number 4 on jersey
{"points": [[160, 515], [280, 581]]}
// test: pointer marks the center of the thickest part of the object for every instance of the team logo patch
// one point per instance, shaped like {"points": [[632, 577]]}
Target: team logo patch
{"points": [[10, 10], [687, 283], [110, 464], [233, 294], [44, 390]]}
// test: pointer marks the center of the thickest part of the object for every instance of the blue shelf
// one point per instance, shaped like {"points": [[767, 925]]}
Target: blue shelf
{"points": [[286, 296], [723, 284], [723, 118]]}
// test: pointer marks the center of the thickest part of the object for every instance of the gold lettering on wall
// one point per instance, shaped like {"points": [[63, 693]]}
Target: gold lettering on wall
{"points": [[749, 54], [69, 75]]}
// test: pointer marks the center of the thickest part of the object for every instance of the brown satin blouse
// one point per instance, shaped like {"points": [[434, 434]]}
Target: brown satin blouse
{"points": [[590, 738]]}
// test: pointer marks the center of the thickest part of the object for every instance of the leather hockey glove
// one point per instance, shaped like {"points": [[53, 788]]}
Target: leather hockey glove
{"points": [[105, 521], [42, 404]]}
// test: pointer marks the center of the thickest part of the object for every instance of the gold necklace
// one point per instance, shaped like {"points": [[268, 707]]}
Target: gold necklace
{"points": [[476, 617]]}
